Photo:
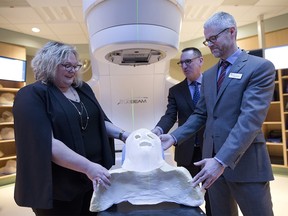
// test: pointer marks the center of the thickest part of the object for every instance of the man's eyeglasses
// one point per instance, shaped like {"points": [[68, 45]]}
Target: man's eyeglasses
{"points": [[213, 38], [69, 67], [186, 61]]}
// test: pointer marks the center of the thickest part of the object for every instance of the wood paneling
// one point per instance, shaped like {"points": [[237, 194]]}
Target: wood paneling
{"points": [[12, 51]]}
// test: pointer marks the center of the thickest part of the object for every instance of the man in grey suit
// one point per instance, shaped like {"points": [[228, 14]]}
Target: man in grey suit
{"points": [[235, 98]]}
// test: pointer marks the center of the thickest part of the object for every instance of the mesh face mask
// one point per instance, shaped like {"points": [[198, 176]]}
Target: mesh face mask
{"points": [[143, 151]]}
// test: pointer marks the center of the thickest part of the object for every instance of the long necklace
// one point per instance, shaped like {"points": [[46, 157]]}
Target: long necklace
{"points": [[80, 113]]}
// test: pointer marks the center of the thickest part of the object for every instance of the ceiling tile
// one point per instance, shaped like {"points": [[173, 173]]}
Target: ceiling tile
{"points": [[272, 2], [14, 3], [50, 3], [44, 29], [72, 39], [3, 20], [66, 28], [20, 15], [239, 2]]}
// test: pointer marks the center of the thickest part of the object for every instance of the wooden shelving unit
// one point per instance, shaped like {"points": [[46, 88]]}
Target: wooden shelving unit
{"points": [[275, 126], [7, 143]]}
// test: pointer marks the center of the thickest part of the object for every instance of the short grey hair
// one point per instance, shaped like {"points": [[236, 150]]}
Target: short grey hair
{"points": [[47, 59], [221, 20]]}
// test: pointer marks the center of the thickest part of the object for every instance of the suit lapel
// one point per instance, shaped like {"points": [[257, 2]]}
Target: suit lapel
{"points": [[235, 68], [186, 94], [211, 83]]}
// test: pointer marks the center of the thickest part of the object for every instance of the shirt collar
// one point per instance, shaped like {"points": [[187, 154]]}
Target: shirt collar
{"points": [[199, 80], [231, 59]]}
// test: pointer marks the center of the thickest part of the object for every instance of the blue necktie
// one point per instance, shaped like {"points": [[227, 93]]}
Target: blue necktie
{"points": [[196, 94]]}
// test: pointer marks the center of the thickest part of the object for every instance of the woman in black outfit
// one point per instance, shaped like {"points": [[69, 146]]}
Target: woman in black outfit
{"points": [[64, 140]]}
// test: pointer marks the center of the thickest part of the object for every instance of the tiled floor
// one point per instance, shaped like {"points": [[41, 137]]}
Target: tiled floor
{"points": [[279, 188]]}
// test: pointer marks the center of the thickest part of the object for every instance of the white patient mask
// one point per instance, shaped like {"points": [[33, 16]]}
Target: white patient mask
{"points": [[143, 151]]}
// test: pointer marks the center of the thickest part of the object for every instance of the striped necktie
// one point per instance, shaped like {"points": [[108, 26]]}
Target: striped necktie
{"points": [[223, 67]]}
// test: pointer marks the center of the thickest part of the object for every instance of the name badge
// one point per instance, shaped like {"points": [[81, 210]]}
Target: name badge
{"points": [[235, 75]]}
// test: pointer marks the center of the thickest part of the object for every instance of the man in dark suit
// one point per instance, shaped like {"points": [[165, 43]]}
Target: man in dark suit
{"points": [[235, 98], [182, 99], [180, 106]]}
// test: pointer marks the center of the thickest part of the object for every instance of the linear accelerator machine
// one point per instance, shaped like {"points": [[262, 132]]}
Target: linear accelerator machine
{"points": [[131, 45]]}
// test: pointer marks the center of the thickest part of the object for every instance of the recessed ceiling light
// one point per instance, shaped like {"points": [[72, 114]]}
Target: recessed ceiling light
{"points": [[35, 29]]}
